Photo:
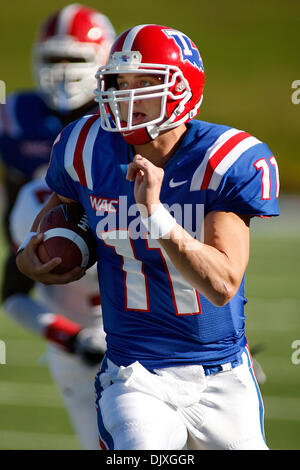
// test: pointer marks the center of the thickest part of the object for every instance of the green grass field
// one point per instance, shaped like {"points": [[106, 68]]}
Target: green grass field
{"points": [[273, 321], [31, 410]]}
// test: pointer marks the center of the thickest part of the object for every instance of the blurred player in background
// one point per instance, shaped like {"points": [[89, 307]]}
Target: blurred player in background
{"points": [[170, 200], [68, 317], [70, 46]]}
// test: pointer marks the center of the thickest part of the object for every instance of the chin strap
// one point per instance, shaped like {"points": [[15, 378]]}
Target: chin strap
{"points": [[140, 136], [149, 133]]}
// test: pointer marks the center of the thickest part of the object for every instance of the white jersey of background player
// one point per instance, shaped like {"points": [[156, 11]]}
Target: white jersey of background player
{"points": [[69, 316]]}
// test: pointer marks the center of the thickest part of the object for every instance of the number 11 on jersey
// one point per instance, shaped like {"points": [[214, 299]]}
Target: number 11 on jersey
{"points": [[185, 298], [262, 164]]}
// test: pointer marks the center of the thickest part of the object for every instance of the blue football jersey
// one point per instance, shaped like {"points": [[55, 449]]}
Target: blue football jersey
{"points": [[151, 313], [27, 132]]}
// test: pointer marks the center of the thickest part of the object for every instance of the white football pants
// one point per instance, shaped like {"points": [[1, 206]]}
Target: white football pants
{"points": [[75, 381], [180, 408]]}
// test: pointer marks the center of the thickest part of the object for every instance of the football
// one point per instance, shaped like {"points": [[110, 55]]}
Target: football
{"points": [[67, 235]]}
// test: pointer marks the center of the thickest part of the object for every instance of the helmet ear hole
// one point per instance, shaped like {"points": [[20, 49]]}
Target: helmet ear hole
{"points": [[180, 87]]}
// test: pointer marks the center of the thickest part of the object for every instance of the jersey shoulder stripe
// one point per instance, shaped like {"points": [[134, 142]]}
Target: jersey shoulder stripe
{"points": [[219, 157], [79, 150]]}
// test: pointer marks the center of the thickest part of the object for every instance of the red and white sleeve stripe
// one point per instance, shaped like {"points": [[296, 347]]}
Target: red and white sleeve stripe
{"points": [[220, 156], [79, 150]]}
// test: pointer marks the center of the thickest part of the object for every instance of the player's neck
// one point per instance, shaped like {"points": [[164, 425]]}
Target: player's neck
{"points": [[160, 150]]}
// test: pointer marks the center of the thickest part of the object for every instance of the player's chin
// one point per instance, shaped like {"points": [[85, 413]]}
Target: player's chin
{"points": [[139, 118]]}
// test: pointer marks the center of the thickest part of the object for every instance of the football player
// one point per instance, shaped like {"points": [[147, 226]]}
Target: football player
{"points": [[70, 46], [68, 317], [170, 200]]}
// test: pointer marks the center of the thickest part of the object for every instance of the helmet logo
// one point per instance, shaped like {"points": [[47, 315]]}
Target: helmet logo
{"points": [[187, 50], [125, 58]]}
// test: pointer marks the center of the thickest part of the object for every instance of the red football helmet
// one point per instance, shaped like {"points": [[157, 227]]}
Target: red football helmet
{"points": [[71, 45], [151, 50]]}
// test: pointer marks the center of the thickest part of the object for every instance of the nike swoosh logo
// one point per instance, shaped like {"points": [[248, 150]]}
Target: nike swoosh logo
{"points": [[174, 184], [127, 133]]}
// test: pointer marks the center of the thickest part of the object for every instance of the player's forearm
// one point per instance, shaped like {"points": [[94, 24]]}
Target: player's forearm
{"points": [[206, 268], [33, 316], [27, 312]]}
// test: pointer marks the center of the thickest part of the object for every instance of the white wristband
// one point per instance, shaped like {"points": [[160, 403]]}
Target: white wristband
{"points": [[26, 241], [160, 223]]}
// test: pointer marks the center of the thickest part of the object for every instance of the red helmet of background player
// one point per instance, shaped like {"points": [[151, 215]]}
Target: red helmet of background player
{"points": [[160, 51], [70, 46]]}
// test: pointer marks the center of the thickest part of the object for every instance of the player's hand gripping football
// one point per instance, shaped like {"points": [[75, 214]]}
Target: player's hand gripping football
{"points": [[148, 179], [29, 264]]}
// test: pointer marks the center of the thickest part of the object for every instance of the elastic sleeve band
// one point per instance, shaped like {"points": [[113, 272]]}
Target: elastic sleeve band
{"points": [[62, 331], [160, 223]]}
